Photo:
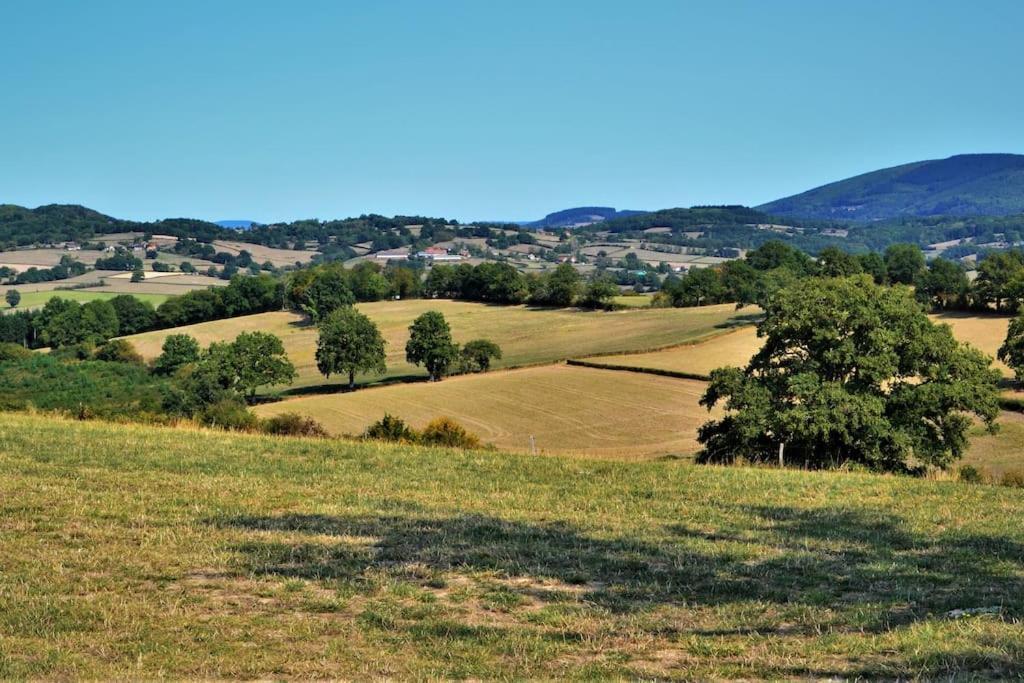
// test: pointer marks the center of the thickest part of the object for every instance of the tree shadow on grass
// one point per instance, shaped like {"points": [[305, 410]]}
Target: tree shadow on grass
{"points": [[827, 558], [742, 320], [341, 386]]}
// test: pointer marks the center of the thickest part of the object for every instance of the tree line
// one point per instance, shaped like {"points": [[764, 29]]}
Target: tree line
{"points": [[62, 322]]}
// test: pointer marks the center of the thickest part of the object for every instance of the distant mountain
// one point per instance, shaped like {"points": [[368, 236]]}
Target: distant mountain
{"points": [[581, 215], [963, 185], [236, 224]]}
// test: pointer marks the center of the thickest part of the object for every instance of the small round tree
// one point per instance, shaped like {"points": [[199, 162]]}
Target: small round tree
{"points": [[178, 351], [477, 355], [349, 342], [850, 372], [430, 345], [13, 298]]}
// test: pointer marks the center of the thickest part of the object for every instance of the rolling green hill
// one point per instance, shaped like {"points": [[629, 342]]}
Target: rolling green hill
{"points": [[143, 552], [962, 185]]}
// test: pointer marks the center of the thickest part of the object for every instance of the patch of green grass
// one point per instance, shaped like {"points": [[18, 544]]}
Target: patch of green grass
{"points": [[39, 299], [141, 552]]}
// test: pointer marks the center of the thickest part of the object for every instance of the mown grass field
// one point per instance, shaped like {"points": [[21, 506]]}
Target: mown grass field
{"points": [[595, 413], [733, 348], [526, 335], [985, 332], [39, 299], [137, 552]]}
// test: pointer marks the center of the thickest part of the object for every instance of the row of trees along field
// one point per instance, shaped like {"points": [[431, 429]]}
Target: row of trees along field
{"points": [[318, 290], [62, 322], [939, 283]]}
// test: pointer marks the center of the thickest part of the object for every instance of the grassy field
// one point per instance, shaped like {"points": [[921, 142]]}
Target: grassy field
{"points": [[135, 552], [526, 335], [995, 454], [633, 300], [596, 413], [39, 299]]}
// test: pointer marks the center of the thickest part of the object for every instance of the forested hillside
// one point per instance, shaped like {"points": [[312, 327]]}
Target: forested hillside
{"points": [[962, 185]]}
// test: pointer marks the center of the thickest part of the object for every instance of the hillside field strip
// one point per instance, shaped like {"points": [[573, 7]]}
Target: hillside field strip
{"points": [[261, 254], [527, 336], [984, 332], [38, 299], [142, 552], [567, 410], [156, 288]]}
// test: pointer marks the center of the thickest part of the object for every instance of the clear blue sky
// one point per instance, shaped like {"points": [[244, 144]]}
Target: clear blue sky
{"points": [[487, 110]]}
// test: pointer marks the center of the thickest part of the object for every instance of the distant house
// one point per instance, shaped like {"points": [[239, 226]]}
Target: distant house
{"points": [[72, 246], [396, 255], [438, 254]]}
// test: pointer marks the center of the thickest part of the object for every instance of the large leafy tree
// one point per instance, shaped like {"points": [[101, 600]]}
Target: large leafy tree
{"points": [[904, 263], [999, 278], [834, 262], [259, 359], [561, 287], [133, 314], [349, 342], [63, 322], [320, 290], [1012, 350], [850, 372], [943, 283], [430, 344]]}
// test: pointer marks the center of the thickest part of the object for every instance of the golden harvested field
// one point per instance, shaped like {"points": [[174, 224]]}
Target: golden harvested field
{"points": [[279, 257], [596, 413], [985, 332], [527, 336], [734, 348]]}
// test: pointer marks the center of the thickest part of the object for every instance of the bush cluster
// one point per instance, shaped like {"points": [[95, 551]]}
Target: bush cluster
{"points": [[442, 431]]}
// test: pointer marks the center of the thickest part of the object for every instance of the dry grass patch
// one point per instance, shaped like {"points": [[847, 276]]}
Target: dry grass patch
{"points": [[260, 253], [985, 332], [597, 413]]}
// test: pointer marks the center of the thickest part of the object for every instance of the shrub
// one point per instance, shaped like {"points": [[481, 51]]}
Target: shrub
{"points": [[292, 424], [971, 475], [119, 351], [80, 351], [390, 428], [228, 414], [9, 351], [1013, 478], [444, 431]]}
